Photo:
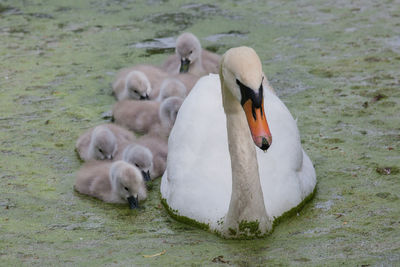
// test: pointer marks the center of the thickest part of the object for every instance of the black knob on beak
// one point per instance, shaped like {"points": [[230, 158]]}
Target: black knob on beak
{"points": [[264, 144]]}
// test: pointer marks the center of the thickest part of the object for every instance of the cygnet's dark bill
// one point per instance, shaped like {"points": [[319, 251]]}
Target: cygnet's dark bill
{"points": [[133, 202], [184, 65], [146, 176]]}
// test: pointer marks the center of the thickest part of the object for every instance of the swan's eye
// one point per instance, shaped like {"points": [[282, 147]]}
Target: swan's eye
{"points": [[137, 165], [126, 188], [136, 91], [191, 51], [100, 150]]}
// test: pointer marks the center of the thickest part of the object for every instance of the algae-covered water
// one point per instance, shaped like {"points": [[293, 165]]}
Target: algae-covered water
{"points": [[336, 65]]}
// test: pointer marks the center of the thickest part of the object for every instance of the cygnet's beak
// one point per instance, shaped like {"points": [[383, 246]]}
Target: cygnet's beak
{"points": [[146, 176], [185, 62], [145, 97], [133, 202]]}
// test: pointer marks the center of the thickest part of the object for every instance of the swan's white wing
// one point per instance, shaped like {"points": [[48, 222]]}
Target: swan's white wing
{"points": [[286, 173], [199, 181]]}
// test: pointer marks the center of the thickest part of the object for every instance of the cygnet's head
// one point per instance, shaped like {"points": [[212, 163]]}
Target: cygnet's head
{"points": [[169, 110], [188, 48], [141, 157], [137, 85], [127, 182], [103, 144], [172, 87], [241, 73]]}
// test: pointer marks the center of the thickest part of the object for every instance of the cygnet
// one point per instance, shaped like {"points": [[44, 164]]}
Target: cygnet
{"points": [[141, 82], [177, 85], [172, 87], [102, 142], [117, 182], [158, 145], [135, 115], [169, 110], [141, 157], [142, 116], [190, 57]]}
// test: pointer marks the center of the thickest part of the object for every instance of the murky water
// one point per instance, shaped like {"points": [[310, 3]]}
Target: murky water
{"points": [[335, 65]]}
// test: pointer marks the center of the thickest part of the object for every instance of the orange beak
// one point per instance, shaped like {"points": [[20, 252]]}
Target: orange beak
{"points": [[258, 124]]}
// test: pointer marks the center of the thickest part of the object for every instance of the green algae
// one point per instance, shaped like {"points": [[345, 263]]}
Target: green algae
{"points": [[309, 49], [175, 214], [249, 230], [246, 229]]}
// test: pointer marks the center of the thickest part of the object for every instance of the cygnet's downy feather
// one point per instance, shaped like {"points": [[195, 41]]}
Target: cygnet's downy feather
{"points": [[116, 182]]}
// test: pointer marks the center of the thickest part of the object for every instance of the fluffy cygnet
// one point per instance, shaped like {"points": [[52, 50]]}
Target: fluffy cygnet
{"points": [[138, 116], [169, 110], [190, 57], [188, 79], [156, 141], [142, 116], [117, 182], [141, 157], [103, 142], [177, 85], [158, 145], [140, 82], [172, 87]]}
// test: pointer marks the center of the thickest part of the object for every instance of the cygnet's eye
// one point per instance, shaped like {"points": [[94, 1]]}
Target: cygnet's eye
{"points": [[126, 188], [137, 165], [191, 51], [100, 150]]}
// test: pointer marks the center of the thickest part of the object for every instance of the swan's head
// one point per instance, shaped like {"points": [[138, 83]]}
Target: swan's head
{"points": [[127, 182], [172, 87], [241, 72], [188, 48], [141, 157], [169, 110], [137, 85], [103, 144]]}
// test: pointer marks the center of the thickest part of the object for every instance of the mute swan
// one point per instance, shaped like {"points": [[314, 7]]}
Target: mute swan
{"points": [[116, 182], [190, 57], [103, 142], [215, 175], [140, 82]]}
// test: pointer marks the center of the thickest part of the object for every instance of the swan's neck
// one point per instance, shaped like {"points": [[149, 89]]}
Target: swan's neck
{"points": [[247, 216]]}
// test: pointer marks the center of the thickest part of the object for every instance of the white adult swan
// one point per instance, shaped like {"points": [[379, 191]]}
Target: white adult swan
{"points": [[215, 175]]}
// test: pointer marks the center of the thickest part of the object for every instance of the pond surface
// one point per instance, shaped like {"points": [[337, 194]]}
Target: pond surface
{"points": [[336, 65]]}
